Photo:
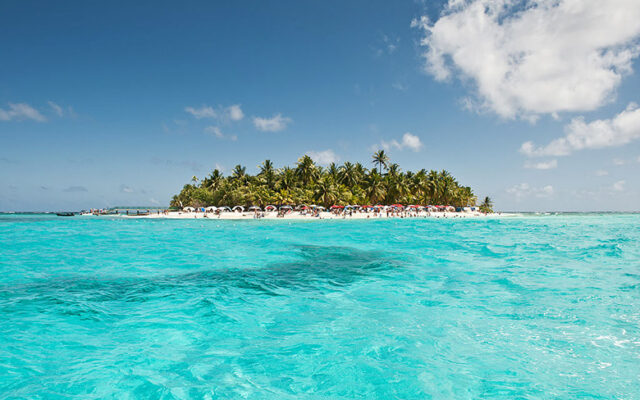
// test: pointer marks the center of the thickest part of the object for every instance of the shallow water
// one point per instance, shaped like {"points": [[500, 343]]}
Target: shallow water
{"points": [[524, 307]]}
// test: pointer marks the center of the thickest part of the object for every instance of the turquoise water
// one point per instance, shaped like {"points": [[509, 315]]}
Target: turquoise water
{"points": [[526, 307]]}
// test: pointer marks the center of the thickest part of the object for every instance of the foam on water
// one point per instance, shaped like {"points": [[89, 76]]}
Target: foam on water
{"points": [[527, 307]]}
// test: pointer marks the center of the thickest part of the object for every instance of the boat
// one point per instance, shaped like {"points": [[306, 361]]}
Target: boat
{"points": [[65, 214]]}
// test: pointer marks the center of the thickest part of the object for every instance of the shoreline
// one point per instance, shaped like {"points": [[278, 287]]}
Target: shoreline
{"points": [[308, 217]]}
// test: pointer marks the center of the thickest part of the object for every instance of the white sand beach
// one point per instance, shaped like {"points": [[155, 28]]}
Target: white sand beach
{"points": [[295, 215]]}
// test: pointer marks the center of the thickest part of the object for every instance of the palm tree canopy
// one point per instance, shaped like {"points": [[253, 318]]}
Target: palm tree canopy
{"points": [[307, 183], [380, 159]]}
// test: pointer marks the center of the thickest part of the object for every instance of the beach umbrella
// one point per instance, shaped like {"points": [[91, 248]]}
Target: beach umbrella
{"points": [[254, 208], [238, 208], [269, 208], [286, 208]]}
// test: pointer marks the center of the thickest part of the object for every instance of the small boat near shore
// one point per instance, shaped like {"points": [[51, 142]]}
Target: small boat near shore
{"points": [[65, 214]]}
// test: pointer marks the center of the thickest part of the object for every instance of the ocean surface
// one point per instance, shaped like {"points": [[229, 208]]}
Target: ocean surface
{"points": [[532, 307]]}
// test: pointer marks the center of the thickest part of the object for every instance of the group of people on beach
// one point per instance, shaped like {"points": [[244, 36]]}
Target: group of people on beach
{"points": [[319, 212]]}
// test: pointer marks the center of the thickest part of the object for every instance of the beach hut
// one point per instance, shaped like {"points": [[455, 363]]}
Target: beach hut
{"points": [[237, 209], [189, 209]]}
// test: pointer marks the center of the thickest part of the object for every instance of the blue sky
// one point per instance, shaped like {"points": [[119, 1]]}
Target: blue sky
{"points": [[105, 104]]}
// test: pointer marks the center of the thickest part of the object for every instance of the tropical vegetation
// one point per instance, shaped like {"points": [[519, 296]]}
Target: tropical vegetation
{"points": [[308, 183], [487, 205]]}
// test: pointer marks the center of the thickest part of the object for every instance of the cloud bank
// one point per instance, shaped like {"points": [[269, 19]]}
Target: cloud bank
{"points": [[579, 135], [532, 57]]}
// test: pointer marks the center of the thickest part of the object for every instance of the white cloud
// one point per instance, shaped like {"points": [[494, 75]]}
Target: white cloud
{"points": [[544, 165], [324, 157], [601, 172], [21, 111], [235, 112], [619, 186], [217, 132], [400, 86], [390, 44], [409, 141], [579, 135], [56, 108], [531, 57], [232, 113], [524, 190], [125, 189], [202, 112], [386, 45], [619, 161], [273, 124]]}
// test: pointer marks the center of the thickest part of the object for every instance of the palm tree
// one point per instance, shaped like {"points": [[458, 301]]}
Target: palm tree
{"points": [[239, 173], [347, 174], [212, 182], [487, 205], [306, 169], [332, 171], [375, 187], [326, 191], [267, 172], [287, 178], [380, 159]]}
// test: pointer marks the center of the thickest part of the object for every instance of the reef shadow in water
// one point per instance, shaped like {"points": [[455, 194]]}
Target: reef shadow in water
{"points": [[317, 268]]}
